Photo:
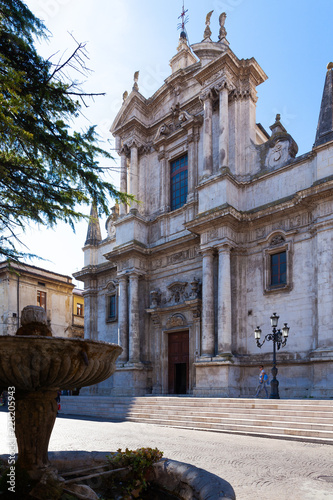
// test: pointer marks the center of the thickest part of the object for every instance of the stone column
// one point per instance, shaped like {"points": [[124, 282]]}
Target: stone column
{"points": [[123, 181], [134, 174], [224, 301], [224, 127], [192, 143], [123, 318], [134, 331], [165, 182], [207, 333], [206, 98], [90, 313]]}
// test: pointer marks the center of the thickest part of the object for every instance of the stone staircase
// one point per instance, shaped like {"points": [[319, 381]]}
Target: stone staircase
{"points": [[304, 420]]}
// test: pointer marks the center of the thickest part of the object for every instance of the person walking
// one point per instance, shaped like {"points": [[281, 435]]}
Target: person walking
{"points": [[263, 379]]}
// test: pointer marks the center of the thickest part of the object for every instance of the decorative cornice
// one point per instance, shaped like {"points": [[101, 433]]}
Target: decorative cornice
{"points": [[238, 69]]}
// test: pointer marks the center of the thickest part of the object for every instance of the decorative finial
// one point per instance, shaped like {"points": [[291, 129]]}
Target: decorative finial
{"points": [[208, 32], [125, 95], [330, 65], [223, 31], [181, 25], [136, 79], [278, 118]]}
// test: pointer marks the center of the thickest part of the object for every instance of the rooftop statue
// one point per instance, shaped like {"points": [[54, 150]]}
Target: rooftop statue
{"points": [[208, 32]]}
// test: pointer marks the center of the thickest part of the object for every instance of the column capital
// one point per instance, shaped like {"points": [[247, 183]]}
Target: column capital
{"points": [[134, 143], [206, 95], [123, 278], [224, 85], [135, 275], [124, 151], [207, 251], [224, 247]]}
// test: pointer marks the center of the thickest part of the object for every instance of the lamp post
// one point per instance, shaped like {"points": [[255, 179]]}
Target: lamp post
{"points": [[279, 339]]}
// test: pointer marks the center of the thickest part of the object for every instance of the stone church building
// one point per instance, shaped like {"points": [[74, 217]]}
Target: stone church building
{"points": [[229, 226]]}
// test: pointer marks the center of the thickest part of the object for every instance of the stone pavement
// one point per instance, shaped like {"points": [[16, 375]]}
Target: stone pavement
{"points": [[257, 468]]}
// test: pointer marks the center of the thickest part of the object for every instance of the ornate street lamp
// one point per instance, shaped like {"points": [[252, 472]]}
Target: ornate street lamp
{"points": [[279, 339]]}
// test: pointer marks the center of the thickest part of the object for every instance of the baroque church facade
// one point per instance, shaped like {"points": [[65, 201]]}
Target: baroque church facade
{"points": [[229, 226]]}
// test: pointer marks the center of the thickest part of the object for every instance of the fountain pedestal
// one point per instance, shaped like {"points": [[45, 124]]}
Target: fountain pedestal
{"points": [[35, 416]]}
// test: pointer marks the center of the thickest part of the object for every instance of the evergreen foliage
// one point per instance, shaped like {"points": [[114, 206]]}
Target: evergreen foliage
{"points": [[46, 170]]}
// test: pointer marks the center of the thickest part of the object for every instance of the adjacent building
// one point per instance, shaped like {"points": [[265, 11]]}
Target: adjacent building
{"points": [[22, 285], [230, 226]]}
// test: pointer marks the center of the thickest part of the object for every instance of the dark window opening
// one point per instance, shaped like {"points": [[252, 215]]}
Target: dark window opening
{"points": [[178, 182], [112, 311], [279, 268]]}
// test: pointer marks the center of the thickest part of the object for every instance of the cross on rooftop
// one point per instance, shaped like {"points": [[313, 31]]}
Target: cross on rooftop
{"points": [[182, 16]]}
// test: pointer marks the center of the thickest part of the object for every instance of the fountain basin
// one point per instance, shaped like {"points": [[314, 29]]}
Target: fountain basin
{"points": [[35, 363]]}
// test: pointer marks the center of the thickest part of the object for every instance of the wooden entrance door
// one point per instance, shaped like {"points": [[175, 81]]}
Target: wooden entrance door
{"points": [[178, 362]]}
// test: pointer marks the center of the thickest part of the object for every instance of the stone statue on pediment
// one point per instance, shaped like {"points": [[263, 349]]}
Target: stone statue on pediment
{"points": [[136, 79], [208, 31], [223, 31]]}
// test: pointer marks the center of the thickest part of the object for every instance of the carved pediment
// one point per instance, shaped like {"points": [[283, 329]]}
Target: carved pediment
{"points": [[134, 110]]}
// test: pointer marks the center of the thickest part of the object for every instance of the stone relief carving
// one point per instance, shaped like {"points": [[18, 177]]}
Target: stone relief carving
{"points": [[155, 298], [278, 154], [177, 293], [176, 257], [176, 320], [212, 79], [195, 289], [260, 232], [212, 234], [280, 148], [295, 221], [111, 285], [277, 240]]}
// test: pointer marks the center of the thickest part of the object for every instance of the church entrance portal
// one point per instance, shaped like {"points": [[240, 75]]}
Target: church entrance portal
{"points": [[178, 362]]}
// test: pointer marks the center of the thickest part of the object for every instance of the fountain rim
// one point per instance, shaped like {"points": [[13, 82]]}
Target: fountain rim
{"points": [[41, 338]]}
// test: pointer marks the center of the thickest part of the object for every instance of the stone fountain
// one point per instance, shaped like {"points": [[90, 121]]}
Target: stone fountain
{"points": [[37, 365]]}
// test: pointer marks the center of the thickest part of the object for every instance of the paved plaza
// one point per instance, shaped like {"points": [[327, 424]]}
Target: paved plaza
{"points": [[257, 468]]}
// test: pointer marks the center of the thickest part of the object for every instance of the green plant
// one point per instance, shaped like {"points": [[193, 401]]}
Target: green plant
{"points": [[139, 463]]}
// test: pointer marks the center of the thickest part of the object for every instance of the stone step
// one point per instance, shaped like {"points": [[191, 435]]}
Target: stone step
{"points": [[224, 416], [144, 413], [183, 400], [231, 420], [204, 410], [308, 420], [271, 431], [170, 410]]}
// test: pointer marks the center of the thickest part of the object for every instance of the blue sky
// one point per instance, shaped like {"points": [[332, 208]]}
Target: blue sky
{"points": [[291, 40]]}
